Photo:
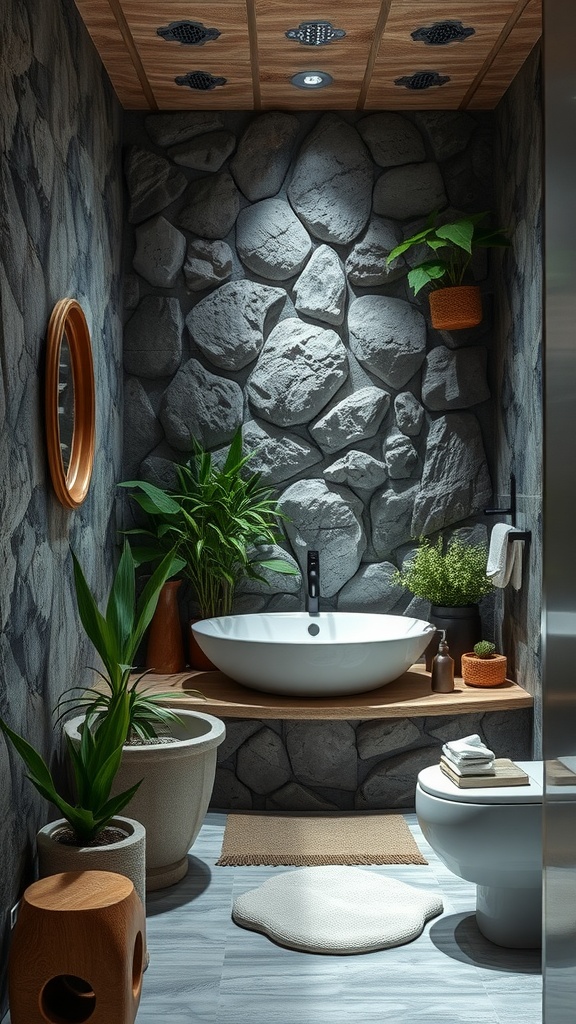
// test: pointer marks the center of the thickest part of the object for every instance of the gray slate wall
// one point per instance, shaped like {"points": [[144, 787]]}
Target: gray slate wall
{"points": [[61, 206], [258, 293], [517, 369]]}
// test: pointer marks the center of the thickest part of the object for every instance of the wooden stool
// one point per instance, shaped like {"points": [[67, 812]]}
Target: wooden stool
{"points": [[77, 951]]}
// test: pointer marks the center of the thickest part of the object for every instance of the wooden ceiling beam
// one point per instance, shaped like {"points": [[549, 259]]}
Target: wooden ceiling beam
{"points": [[507, 29], [378, 33], [124, 29], [254, 55]]}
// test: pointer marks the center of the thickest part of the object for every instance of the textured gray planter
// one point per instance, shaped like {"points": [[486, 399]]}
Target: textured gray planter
{"points": [[126, 857], [177, 780]]}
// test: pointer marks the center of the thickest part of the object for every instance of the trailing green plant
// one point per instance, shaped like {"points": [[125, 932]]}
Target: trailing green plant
{"points": [[450, 578], [116, 635], [214, 521], [453, 246], [484, 649], [94, 764]]}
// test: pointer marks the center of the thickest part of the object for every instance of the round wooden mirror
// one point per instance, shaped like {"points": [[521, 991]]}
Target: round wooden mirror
{"points": [[70, 403]]}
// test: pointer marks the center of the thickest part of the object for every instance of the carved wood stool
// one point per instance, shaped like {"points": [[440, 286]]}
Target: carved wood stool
{"points": [[77, 950]]}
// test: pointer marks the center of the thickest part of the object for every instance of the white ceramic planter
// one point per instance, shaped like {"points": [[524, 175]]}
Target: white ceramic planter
{"points": [[126, 857], [173, 799]]}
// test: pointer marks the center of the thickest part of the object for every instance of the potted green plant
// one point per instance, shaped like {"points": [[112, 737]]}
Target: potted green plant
{"points": [[173, 754], [453, 579], [482, 666], [90, 835], [454, 303], [217, 522]]}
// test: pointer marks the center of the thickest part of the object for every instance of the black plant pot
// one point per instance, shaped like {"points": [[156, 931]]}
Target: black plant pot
{"points": [[463, 630]]}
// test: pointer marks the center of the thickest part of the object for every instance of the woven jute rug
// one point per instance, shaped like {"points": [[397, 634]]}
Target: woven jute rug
{"points": [[308, 841]]}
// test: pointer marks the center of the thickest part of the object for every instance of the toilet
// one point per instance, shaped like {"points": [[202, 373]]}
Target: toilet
{"points": [[492, 837]]}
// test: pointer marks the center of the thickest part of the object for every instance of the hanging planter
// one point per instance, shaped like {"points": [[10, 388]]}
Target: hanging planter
{"points": [[454, 305], [453, 309]]}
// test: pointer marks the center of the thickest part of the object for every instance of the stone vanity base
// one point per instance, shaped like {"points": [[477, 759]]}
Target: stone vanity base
{"points": [[360, 752]]}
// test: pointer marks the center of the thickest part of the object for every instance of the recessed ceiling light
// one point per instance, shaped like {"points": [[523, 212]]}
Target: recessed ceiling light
{"points": [[311, 79]]}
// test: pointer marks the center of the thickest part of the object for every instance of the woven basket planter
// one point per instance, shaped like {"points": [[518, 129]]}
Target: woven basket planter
{"points": [[483, 671], [453, 309]]}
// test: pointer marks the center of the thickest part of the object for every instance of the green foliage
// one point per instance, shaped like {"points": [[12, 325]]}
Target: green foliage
{"points": [[213, 522], [116, 635], [449, 578], [95, 764], [484, 649], [453, 245]]}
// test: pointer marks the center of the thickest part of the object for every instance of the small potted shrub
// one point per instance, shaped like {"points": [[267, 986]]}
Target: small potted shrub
{"points": [[482, 666], [453, 579], [455, 303]]}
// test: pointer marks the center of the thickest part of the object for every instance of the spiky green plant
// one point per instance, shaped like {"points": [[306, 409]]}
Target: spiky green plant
{"points": [[484, 649], [116, 635], [94, 764], [450, 578], [215, 521], [453, 246]]}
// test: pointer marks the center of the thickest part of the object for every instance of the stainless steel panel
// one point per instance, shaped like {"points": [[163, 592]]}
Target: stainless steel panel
{"points": [[559, 680]]}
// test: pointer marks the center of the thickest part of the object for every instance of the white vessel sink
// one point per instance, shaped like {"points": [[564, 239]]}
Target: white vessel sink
{"points": [[323, 655]]}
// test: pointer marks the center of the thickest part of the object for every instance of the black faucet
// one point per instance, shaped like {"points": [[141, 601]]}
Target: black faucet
{"points": [[313, 602]]}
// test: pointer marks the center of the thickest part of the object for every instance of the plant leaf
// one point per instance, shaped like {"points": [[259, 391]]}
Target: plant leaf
{"points": [[459, 233]]}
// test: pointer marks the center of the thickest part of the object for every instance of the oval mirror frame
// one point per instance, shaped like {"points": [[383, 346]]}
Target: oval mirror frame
{"points": [[70, 484]]}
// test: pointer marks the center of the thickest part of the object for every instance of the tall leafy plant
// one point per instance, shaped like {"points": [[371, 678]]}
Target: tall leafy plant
{"points": [[214, 521], [452, 245], [94, 764], [116, 635]]}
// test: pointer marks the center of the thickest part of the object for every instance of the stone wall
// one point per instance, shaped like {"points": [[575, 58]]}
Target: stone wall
{"points": [[61, 205], [517, 369], [369, 765], [258, 294]]}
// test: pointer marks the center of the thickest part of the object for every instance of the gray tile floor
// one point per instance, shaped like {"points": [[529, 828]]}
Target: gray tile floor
{"points": [[204, 969]]}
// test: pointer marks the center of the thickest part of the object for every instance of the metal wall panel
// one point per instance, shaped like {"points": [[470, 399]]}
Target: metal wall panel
{"points": [[559, 689]]}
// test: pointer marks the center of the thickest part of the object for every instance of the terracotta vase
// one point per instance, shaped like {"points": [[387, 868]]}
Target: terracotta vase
{"points": [[196, 655], [453, 309], [463, 630], [165, 651]]}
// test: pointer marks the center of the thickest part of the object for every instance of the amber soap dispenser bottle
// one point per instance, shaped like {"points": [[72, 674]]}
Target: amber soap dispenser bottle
{"points": [[442, 668]]}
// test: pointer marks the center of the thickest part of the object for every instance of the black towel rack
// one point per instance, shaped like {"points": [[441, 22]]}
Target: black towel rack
{"points": [[524, 535]]}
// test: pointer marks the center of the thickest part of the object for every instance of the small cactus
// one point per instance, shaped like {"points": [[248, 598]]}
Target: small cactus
{"points": [[484, 649]]}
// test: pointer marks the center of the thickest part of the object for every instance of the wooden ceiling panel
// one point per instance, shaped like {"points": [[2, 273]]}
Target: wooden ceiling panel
{"points": [[258, 61], [399, 55], [344, 59], [487, 92], [114, 52]]}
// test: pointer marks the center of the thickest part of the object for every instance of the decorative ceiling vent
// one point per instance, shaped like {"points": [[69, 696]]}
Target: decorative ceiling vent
{"points": [[190, 33], [201, 80], [315, 33], [442, 32], [422, 80]]}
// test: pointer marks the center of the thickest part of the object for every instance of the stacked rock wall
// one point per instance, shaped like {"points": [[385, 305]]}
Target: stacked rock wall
{"points": [[258, 293]]}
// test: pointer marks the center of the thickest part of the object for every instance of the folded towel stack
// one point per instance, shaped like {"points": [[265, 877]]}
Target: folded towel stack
{"points": [[469, 756]]}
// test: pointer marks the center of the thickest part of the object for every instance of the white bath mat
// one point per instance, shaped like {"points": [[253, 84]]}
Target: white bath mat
{"points": [[336, 910]]}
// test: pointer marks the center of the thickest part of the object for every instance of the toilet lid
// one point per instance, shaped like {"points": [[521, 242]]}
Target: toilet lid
{"points": [[432, 780]]}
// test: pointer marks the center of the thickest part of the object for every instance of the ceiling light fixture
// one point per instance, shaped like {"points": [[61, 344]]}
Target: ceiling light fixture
{"points": [[315, 33], [189, 33], [422, 80], [312, 79], [442, 32]]}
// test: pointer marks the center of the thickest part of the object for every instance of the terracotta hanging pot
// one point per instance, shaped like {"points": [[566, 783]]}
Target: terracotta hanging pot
{"points": [[165, 651], [453, 309], [196, 655]]}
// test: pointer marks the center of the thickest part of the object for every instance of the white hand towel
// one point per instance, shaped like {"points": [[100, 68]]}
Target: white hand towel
{"points": [[504, 557], [469, 747], [469, 766], [466, 770]]}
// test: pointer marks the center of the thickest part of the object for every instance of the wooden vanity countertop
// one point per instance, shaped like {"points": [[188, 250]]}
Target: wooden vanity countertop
{"points": [[407, 697]]}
